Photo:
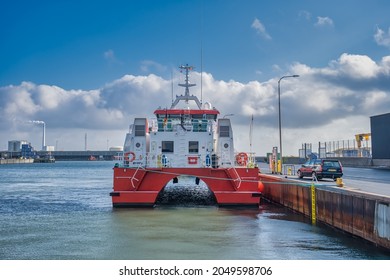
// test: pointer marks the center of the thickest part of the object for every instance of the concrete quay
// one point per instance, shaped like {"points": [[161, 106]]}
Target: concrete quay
{"points": [[16, 161], [63, 156], [359, 208], [83, 155]]}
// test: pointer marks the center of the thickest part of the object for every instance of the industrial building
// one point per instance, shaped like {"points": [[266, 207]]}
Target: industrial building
{"points": [[15, 146], [380, 139], [19, 148]]}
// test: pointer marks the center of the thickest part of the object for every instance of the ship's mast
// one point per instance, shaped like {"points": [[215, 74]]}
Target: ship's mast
{"points": [[186, 97]]}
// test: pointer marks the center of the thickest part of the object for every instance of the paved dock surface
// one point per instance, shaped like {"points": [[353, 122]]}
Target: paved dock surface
{"points": [[381, 189], [369, 180]]}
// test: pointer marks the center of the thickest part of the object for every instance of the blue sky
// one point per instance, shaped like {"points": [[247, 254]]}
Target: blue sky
{"points": [[64, 56]]}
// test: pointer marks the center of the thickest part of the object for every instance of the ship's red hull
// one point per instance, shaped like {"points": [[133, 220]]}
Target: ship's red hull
{"points": [[231, 186]]}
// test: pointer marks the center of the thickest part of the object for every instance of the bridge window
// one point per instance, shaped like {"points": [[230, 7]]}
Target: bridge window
{"points": [[224, 131], [193, 147], [139, 130], [167, 146]]}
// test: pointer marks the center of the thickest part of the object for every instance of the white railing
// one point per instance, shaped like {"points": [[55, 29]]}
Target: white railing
{"points": [[242, 159]]}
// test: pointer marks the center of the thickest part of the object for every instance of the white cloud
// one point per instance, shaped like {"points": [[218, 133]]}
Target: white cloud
{"points": [[276, 68], [50, 97], [324, 21], [358, 66], [385, 65], [382, 38], [149, 65], [305, 14], [352, 87], [18, 100], [259, 27], [375, 99], [110, 57]]}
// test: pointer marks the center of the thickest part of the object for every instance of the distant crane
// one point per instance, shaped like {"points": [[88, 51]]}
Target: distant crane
{"points": [[43, 133], [359, 138]]}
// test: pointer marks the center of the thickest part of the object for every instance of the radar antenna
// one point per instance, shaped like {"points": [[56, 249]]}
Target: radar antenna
{"points": [[186, 97]]}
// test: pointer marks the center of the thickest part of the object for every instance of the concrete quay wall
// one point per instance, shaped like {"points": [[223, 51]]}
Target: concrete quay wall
{"points": [[81, 155], [16, 161], [381, 163], [355, 161], [358, 213]]}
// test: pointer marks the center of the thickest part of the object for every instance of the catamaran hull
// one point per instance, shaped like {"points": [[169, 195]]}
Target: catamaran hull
{"points": [[139, 187]]}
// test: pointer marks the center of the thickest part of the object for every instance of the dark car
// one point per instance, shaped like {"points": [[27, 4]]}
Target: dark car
{"points": [[321, 168]]}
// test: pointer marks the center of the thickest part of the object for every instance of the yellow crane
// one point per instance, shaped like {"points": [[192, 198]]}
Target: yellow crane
{"points": [[359, 138]]}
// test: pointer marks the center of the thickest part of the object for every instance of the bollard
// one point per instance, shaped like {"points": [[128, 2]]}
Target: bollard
{"points": [[339, 182]]}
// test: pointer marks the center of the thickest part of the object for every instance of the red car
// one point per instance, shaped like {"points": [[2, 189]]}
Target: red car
{"points": [[321, 168]]}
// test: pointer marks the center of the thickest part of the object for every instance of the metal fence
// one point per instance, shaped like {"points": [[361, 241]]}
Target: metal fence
{"points": [[339, 148]]}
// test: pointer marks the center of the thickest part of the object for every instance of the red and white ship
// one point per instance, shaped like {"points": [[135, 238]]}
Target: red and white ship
{"points": [[184, 142]]}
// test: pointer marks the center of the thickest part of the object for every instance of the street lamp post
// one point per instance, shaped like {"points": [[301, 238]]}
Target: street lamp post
{"points": [[280, 120]]}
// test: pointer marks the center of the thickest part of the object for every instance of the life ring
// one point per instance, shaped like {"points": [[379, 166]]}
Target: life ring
{"points": [[130, 159], [242, 159]]}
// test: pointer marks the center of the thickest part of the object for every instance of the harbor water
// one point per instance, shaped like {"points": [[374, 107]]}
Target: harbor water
{"points": [[63, 211]]}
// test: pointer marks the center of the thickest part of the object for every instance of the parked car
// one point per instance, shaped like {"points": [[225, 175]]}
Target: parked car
{"points": [[321, 168]]}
